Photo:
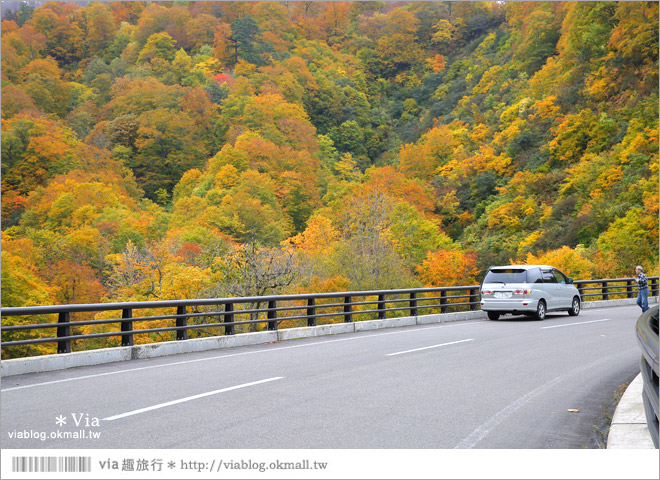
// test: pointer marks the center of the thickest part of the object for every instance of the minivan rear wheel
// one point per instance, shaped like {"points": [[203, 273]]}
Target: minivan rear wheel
{"points": [[540, 310], [493, 315]]}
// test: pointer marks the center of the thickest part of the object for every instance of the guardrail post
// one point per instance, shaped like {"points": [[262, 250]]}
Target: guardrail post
{"points": [[64, 346], [605, 291], [580, 289], [629, 290], [311, 312], [654, 287], [181, 322], [413, 304], [348, 316], [474, 299], [381, 306], [127, 326], [272, 315], [229, 319], [443, 301]]}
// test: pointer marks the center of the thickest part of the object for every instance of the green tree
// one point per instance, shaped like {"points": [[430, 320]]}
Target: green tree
{"points": [[158, 46], [245, 40], [349, 138]]}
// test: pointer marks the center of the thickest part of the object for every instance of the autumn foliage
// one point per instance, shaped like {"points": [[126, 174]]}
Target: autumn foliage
{"points": [[380, 144]]}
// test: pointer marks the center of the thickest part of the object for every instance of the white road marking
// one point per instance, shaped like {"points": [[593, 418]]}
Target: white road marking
{"points": [[431, 346], [187, 399], [577, 323], [483, 430], [218, 357]]}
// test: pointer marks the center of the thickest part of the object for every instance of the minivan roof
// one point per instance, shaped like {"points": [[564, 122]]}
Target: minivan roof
{"points": [[521, 267]]}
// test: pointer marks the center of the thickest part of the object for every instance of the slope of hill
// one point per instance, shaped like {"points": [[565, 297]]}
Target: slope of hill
{"points": [[157, 150]]}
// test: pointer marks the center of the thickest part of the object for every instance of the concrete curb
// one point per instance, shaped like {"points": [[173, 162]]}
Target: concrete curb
{"points": [[616, 303], [47, 363], [629, 428]]}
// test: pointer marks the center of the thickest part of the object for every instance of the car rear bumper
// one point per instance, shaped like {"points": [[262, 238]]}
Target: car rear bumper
{"points": [[496, 305]]}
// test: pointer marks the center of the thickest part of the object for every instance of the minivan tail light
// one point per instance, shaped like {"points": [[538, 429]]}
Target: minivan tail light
{"points": [[525, 291], [486, 292]]}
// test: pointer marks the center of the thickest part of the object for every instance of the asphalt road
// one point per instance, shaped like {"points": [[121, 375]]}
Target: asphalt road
{"points": [[475, 384]]}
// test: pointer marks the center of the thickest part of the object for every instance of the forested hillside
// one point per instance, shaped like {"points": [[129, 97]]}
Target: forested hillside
{"points": [[161, 150]]}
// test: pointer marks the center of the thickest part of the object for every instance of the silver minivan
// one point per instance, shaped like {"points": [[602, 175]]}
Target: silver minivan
{"points": [[528, 289]]}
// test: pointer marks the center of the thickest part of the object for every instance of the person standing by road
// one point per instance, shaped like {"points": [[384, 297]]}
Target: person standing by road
{"points": [[643, 284]]}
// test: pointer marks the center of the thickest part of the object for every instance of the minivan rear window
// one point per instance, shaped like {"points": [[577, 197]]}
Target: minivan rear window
{"points": [[506, 275]]}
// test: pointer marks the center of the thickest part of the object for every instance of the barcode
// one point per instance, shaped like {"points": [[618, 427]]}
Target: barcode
{"points": [[51, 464]]}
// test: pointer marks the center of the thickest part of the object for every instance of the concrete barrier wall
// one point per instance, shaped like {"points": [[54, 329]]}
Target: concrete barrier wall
{"points": [[47, 363]]}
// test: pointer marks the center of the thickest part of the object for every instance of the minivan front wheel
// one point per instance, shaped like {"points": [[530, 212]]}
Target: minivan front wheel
{"points": [[540, 310], [575, 307]]}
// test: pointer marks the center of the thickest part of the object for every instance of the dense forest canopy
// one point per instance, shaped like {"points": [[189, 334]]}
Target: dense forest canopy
{"points": [[152, 150]]}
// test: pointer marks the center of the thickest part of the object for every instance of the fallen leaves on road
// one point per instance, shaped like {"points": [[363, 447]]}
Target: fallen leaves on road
{"points": [[573, 410]]}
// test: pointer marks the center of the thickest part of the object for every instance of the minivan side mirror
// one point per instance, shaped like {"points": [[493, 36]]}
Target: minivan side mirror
{"points": [[570, 280]]}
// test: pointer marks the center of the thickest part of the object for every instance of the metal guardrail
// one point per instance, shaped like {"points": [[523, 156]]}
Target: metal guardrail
{"points": [[228, 314], [605, 288], [225, 315], [647, 337]]}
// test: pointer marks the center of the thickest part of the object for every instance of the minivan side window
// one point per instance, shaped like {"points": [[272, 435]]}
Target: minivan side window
{"points": [[560, 277], [548, 277], [534, 275]]}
